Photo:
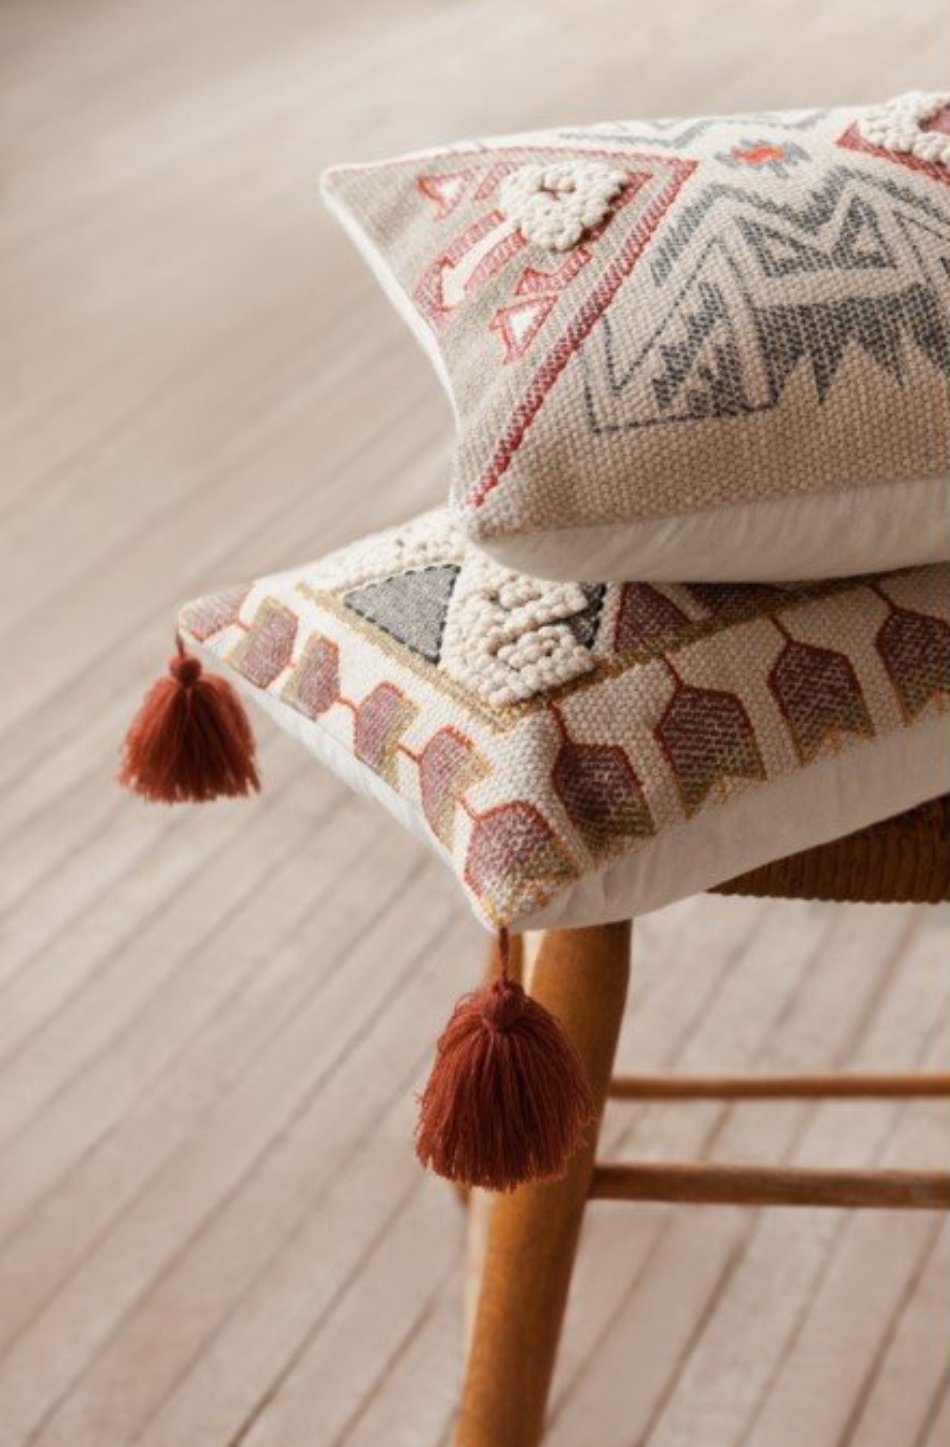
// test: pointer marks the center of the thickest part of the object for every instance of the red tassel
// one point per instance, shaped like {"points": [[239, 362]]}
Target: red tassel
{"points": [[191, 740], [507, 1100]]}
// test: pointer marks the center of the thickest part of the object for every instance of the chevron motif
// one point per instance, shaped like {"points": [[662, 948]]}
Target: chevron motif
{"points": [[726, 346]]}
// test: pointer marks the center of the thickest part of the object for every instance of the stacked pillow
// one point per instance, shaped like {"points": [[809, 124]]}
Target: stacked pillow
{"points": [[704, 350], [578, 753], [688, 608]]}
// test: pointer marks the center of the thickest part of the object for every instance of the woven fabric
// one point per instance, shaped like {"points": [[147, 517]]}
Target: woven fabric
{"points": [[580, 752], [709, 348]]}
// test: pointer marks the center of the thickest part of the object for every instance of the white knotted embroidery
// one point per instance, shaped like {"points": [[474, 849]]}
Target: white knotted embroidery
{"points": [[507, 638], [898, 126], [554, 205]]}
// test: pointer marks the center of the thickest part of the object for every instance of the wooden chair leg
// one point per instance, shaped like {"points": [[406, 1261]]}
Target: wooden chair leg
{"points": [[581, 976]]}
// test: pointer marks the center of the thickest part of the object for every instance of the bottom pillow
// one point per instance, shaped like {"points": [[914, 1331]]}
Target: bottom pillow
{"points": [[581, 753]]}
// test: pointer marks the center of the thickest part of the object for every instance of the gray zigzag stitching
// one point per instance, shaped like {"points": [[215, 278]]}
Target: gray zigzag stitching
{"points": [[819, 209], [786, 335], [617, 381], [693, 129]]}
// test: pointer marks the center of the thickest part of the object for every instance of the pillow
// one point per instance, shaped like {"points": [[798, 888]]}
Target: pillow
{"points": [[586, 752], [685, 350]]}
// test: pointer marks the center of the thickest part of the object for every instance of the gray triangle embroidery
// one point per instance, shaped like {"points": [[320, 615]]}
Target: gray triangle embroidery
{"points": [[410, 607]]}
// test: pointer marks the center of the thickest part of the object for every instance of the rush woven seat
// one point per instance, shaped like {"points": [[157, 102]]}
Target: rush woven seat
{"points": [[902, 860]]}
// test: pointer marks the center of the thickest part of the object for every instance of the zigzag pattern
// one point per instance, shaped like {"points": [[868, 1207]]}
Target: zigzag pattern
{"points": [[823, 331], [645, 133], [727, 346], [816, 213]]}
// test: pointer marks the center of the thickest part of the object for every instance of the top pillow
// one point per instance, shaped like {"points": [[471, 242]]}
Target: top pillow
{"points": [[712, 349]]}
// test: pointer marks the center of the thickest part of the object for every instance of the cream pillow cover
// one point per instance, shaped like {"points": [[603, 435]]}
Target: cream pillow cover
{"points": [[579, 753], [709, 349]]}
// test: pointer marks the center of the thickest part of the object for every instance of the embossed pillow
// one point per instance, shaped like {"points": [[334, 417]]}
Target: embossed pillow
{"points": [[586, 752], [710, 349]]}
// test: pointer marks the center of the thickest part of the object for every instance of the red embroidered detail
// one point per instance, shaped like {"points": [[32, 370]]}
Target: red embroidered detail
{"points": [[267, 647], [314, 685], [645, 615], [378, 725], [533, 281], [446, 191], [601, 793], [493, 175], [448, 766], [818, 695], [518, 325], [709, 742], [758, 155], [514, 860], [429, 294], [852, 140], [496, 259], [582, 324], [210, 615], [915, 651]]}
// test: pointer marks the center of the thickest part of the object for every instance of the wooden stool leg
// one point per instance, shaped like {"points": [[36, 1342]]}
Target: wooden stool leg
{"points": [[581, 976]]}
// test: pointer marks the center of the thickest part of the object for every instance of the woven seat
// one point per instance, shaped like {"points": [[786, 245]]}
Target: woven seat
{"points": [[902, 860]]}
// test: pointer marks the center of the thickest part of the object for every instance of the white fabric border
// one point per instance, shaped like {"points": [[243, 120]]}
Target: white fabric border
{"points": [[799, 537], [835, 796], [380, 269]]}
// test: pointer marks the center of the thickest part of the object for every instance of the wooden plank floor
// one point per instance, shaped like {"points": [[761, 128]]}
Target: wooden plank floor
{"points": [[212, 1229]]}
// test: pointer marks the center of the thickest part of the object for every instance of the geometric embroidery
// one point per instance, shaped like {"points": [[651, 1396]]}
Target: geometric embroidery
{"points": [[210, 615], [411, 607], [314, 685], [514, 859], [820, 698], [592, 719], [601, 793], [484, 251], [915, 650], [757, 309], [266, 649], [708, 738], [726, 348], [645, 614], [448, 766], [381, 720]]}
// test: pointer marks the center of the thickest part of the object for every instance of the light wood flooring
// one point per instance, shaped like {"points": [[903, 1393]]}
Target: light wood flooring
{"points": [[212, 1023]]}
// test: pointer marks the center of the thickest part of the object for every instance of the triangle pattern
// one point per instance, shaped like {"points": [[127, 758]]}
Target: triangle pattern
{"points": [[445, 191], [410, 607], [861, 245], [518, 325], [779, 253], [584, 624]]}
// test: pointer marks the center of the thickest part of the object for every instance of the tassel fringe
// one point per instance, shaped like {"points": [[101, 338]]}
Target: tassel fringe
{"points": [[191, 740], [507, 1100]]}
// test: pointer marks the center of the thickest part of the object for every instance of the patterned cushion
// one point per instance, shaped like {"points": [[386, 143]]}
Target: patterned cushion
{"points": [[708, 349], [586, 752]]}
